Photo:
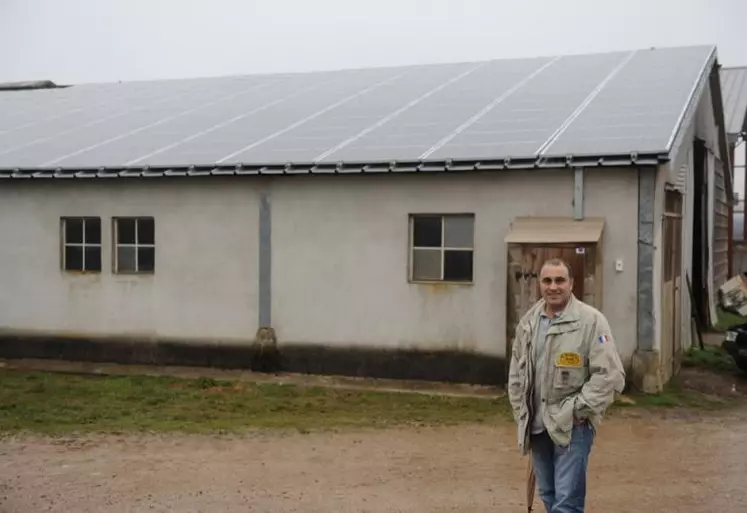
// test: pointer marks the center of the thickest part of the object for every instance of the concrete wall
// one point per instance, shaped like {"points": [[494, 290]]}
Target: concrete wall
{"points": [[340, 256], [339, 261], [204, 284]]}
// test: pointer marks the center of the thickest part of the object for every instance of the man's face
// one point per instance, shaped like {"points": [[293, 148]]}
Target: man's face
{"points": [[555, 285]]}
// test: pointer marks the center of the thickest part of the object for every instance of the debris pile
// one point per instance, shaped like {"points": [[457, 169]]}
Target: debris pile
{"points": [[732, 295]]}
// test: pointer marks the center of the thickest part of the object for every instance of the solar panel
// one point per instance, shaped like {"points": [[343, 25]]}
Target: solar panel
{"points": [[611, 103], [638, 109]]}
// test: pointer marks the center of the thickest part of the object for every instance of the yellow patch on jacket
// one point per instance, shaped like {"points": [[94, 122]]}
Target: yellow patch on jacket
{"points": [[569, 360]]}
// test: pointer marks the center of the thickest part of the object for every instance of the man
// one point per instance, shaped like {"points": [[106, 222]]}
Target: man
{"points": [[563, 375]]}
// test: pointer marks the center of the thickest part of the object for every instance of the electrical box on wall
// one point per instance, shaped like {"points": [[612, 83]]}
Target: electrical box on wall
{"points": [[619, 265]]}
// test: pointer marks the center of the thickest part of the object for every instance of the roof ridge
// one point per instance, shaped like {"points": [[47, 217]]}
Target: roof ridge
{"points": [[241, 75]]}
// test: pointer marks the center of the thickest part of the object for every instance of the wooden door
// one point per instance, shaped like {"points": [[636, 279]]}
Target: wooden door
{"points": [[524, 266]]}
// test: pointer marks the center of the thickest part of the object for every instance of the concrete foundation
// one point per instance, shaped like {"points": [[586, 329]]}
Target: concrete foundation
{"points": [[645, 375], [264, 354]]}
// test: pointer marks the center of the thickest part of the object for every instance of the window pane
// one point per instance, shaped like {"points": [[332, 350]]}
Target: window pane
{"points": [[146, 259], [426, 232], [93, 258], [93, 230], [125, 260], [458, 231], [73, 258], [426, 264], [458, 265], [126, 231], [145, 231], [74, 231]]}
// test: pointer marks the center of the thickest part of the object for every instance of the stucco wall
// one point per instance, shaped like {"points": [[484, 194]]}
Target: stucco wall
{"points": [[340, 250], [339, 261], [204, 284]]}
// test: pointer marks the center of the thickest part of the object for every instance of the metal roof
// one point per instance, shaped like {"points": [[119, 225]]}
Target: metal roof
{"points": [[734, 87], [607, 109]]}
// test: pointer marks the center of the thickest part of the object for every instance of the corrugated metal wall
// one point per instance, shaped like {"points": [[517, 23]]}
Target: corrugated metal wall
{"points": [[720, 228]]}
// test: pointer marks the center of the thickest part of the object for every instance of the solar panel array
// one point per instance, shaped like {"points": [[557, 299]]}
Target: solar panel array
{"points": [[598, 104]]}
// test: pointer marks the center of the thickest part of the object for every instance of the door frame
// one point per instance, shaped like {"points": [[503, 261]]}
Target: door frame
{"points": [[520, 249], [671, 229]]}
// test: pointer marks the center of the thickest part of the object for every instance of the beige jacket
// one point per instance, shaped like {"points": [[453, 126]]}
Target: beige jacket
{"points": [[583, 371]]}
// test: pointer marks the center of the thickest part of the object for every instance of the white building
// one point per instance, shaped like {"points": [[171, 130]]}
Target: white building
{"points": [[381, 222]]}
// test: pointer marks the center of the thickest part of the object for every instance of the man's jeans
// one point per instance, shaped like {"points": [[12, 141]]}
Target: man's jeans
{"points": [[561, 471]]}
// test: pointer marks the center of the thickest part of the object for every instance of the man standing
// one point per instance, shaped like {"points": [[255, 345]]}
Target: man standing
{"points": [[563, 375]]}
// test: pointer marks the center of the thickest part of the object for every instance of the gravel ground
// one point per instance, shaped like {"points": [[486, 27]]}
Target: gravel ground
{"points": [[680, 462]]}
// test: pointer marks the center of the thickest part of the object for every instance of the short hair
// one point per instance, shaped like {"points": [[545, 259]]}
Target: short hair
{"points": [[558, 262]]}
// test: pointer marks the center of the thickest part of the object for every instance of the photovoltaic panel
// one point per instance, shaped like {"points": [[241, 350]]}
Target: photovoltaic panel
{"points": [[421, 126], [639, 108], [521, 124], [597, 104]]}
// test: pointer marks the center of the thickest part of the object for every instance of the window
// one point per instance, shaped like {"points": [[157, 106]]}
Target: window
{"points": [[442, 247], [81, 244], [135, 245]]}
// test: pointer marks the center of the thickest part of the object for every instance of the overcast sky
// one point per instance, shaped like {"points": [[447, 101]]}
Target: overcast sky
{"points": [[75, 41]]}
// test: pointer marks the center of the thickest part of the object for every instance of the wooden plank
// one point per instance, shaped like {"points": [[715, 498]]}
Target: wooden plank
{"points": [[667, 336], [514, 294]]}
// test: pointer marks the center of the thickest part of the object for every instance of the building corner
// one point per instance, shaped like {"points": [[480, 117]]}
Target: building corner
{"points": [[645, 375]]}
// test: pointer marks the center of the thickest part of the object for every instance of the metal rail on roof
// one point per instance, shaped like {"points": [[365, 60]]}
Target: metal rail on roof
{"points": [[347, 168]]}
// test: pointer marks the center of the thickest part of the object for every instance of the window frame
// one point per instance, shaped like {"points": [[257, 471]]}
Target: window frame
{"points": [[442, 249], [136, 245], [64, 244]]}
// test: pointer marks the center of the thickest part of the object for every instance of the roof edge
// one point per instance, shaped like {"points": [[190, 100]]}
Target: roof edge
{"points": [[693, 100], [347, 168]]}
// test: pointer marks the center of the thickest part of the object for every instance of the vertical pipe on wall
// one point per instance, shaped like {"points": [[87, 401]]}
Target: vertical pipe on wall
{"points": [[578, 193], [646, 205], [265, 261]]}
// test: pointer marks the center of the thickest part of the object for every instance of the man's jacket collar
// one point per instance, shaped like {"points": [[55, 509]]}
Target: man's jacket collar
{"points": [[571, 313]]}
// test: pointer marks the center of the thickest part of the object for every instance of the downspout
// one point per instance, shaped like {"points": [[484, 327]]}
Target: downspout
{"points": [[265, 356], [265, 262], [645, 371], [578, 193], [646, 221]]}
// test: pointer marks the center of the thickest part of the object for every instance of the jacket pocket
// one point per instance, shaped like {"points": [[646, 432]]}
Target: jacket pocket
{"points": [[567, 379]]}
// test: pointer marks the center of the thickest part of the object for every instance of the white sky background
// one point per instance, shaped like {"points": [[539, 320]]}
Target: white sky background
{"points": [[74, 41]]}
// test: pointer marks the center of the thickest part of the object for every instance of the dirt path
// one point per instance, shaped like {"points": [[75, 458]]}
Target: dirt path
{"points": [[679, 464]]}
